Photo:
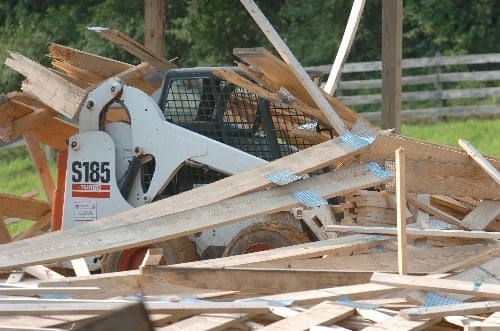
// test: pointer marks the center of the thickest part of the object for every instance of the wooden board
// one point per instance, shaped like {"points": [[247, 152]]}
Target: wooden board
{"points": [[306, 84], [436, 169], [323, 313], [482, 215], [59, 94], [401, 324], [207, 322], [25, 208], [55, 132], [419, 260], [475, 308], [307, 250], [68, 308], [478, 289], [279, 74], [135, 48], [102, 66], [90, 239], [415, 232]]}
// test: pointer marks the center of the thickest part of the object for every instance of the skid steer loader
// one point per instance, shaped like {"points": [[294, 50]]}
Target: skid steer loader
{"points": [[134, 149]]}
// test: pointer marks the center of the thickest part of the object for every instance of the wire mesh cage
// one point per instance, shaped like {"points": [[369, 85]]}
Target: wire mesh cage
{"points": [[198, 100]]}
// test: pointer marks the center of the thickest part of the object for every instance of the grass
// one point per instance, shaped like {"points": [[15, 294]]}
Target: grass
{"points": [[18, 175], [484, 135]]}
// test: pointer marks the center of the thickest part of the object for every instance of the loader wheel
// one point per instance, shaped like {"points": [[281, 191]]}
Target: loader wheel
{"points": [[174, 251], [263, 236]]}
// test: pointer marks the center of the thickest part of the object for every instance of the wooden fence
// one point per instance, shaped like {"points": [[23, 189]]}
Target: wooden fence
{"points": [[433, 87]]}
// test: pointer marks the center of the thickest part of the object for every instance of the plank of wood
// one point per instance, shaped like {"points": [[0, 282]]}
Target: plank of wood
{"points": [[4, 232], [274, 74], [42, 272], [482, 215], [25, 208], [419, 260], [473, 260], [59, 94], [345, 46], [300, 74], [135, 48], [359, 291], [42, 225], [401, 211], [31, 291], [66, 307], [206, 322], [307, 250], [41, 166], [80, 267], [323, 313], [160, 213], [102, 66], [401, 324], [436, 212], [152, 257], [436, 169], [474, 308], [264, 281], [438, 285], [483, 163], [414, 232], [55, 132]]}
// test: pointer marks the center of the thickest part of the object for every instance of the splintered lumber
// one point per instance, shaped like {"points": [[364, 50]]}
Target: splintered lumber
{"points": [[482, 215], [68, 307], [307, 250], [25, 208], [483, 163], [277, 74], [266, 281], [478, 289], [323, 313], [474, 308], [345, 46], [59, 94], [401, 324], [300, 74], [90, 239], [96, 64], [135, 48], [436, 169]]}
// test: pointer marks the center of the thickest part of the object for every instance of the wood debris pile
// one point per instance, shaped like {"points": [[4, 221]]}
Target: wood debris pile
{"points": [[449, 204]]}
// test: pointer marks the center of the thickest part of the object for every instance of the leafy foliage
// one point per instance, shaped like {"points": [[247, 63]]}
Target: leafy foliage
{"points": [[204, 32]]}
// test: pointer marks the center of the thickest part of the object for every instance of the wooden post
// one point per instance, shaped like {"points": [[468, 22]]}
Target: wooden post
{"points": [[401, 211], [392, 43], [154, 26], [41, 166]]}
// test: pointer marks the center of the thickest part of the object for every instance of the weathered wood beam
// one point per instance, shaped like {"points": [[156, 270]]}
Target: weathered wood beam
{"points": [[59, 94], [149, 228]]}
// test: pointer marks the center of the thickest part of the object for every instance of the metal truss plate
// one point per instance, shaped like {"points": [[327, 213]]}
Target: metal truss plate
{"points": [[282, 177], [309, 198]]}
